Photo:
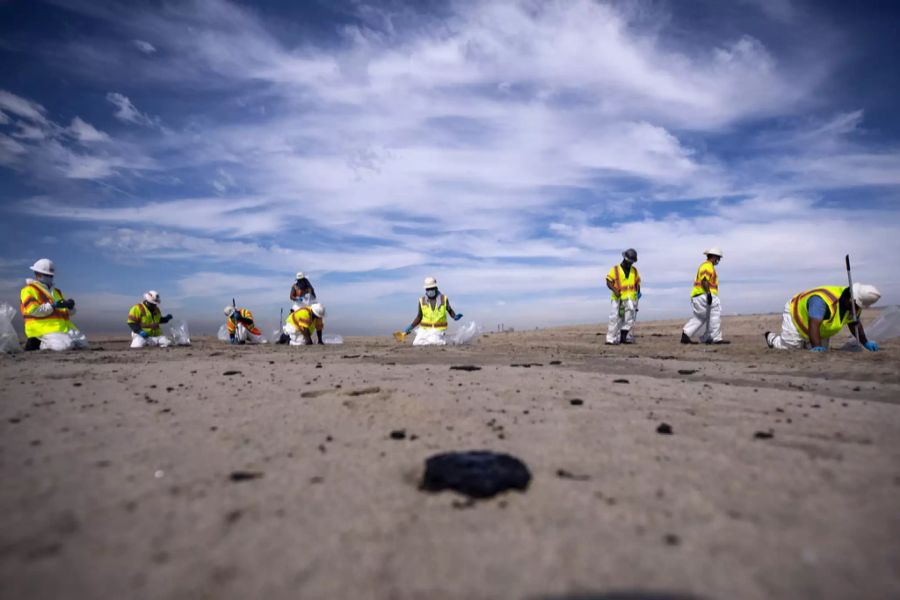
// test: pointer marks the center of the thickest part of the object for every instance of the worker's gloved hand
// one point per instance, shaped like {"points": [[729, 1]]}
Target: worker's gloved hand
{"points": [[818, 349], [166, 319], [70, 304], [639, 295], [408, 330], [59, 304], [457, 316], [708, 298], [871, 346], [144, 334]]}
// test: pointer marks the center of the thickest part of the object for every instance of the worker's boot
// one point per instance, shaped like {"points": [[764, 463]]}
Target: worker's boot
{"points": [[623, 337], [685, 339]]}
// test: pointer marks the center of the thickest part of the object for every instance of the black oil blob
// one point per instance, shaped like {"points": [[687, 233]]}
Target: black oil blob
{"points": [[465, 368], [664, 429], [477, 473]]}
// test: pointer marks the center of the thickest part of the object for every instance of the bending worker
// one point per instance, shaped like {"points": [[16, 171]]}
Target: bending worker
{"points": [[144, 320], [301, 324], [813, 317], [705, 303], [302, 292], [241, 328], [624, 282], [46, 312], [431, 318]]}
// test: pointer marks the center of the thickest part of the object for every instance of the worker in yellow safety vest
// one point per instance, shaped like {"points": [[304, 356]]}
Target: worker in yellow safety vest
{"points": [[241, 328], [302, 322], [431, 318], [624, 283], [144, 319], [47, 312], [812, 317], [705, 304]]}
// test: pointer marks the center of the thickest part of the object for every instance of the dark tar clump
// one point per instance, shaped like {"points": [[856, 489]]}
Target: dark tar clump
{"points": [[477, 473]]}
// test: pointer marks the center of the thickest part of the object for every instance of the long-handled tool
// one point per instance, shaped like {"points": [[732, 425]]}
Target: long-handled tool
{"points": [[852, 304]]}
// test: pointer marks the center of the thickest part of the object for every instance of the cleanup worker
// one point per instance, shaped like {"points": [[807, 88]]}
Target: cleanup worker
{"points": [[705, 303], [302, 292], [431, 318], [624, 283], [241, 328], [301, 324], [144, 320], [813, 317], [47, 313]]}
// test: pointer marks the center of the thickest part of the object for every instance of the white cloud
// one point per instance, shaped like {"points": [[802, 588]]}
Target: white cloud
{"points": [[85, 132], [144, 46], [127, 111], [22, 107]]}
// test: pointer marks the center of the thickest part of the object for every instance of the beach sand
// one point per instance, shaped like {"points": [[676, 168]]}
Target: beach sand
{"points": [[153, 474]]}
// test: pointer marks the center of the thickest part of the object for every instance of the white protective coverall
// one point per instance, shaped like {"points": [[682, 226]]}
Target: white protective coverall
{"points": [[622, 315], [706, 318], [138, 341]]}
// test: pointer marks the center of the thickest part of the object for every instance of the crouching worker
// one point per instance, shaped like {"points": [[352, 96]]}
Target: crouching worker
{"points": [[144, 320], [432, 316], [813, 317], [46, 313], [241, 328], [301, 324]]}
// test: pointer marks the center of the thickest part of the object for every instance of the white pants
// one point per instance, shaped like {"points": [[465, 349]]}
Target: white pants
{"points": [[790, 338], [297, 338], [152, 341], [621, 320], [430, 337], [59, 342], [712, 330], [242, 334]]}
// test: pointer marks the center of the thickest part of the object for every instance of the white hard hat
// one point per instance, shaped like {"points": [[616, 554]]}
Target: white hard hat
{"points": [[152, 297], [865, 295], [430, 282], [714, 251], [44, 266], [229, 310], [318, 309], [300, 274]]}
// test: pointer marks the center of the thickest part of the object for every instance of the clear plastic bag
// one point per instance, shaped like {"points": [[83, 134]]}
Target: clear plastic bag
{"points": [[886, 326], [467, 334], [9, 341], [333, 339], [180, 334], [223, 334]]}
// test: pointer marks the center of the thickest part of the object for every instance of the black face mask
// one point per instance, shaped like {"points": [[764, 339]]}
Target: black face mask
{"points": [[431, 293]]}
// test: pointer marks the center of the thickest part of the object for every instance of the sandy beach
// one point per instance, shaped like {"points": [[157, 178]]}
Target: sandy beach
{"points": [[272, 472]]}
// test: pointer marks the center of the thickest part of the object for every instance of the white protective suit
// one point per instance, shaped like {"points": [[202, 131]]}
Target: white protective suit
{"points": [[790, 338], [712, 330], [160, 341], [621, 318]]}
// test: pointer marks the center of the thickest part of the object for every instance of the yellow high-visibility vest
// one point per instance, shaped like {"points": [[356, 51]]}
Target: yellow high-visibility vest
{"points": [[706, 272], [628, 286], [31, 297], [434, 318], [147, 318], [831, 294], [304, 318]]}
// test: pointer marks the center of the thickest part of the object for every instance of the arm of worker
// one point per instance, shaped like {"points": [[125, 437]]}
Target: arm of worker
{"points": [[868, 344], [818, 311], [134, 327], [165, 319], [453, 315], [319, 334], [295, 293], [416, 321], [612, 287], [704, 283], [306, 337]]}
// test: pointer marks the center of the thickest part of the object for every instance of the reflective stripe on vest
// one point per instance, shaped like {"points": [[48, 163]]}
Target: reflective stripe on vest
{"points": [[434, 318], [33, 296], [148, 321], [709, 275], [627, 286], [830, 326]]}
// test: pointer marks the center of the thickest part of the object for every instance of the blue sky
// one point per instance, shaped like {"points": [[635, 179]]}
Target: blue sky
{"points": [[210, 149]]}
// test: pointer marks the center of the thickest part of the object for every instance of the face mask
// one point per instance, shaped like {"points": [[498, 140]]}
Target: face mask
{"points": [[431, 293], [45, 279]]}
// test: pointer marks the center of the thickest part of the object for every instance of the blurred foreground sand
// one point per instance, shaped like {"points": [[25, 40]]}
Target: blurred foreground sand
{"points": [[116, 467]]}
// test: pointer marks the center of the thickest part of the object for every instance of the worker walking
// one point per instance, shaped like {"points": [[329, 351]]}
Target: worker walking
{"points": [[302, 322], [624, 283], [144, 320], [241, 328], [813, 317], [302, 292], [47, 313], [431, 318], [705, 303]]}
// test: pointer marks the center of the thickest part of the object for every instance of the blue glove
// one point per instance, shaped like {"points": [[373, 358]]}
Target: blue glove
{"points": [[871, 346], [639, 295], [144, 334], [408, 330], [457, 317], [818, 349]]}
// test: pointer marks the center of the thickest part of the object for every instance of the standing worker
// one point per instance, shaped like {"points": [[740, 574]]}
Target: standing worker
{"points": [[431, 318], [46, 312], [301, 324], [813, 317], [624, 282], [241, 328], [302, 292], [144, 320], [705, 303]]}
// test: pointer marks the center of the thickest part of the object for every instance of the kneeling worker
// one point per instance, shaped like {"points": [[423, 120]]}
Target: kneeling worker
{"points": [[301, 324], [624, 282], [431, 318], [813, 317], [144, 320], [46, 312], [241, 328]]}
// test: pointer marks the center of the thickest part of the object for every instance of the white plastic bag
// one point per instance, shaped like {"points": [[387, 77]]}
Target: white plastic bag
{"points": [[467, 334], [9, 341], [180, 334], [223, 334], [333, 339], [886, 326], [72, 339]]}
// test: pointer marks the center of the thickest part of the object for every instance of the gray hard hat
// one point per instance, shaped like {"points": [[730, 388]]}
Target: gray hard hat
{"points": [[630, 254]]}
